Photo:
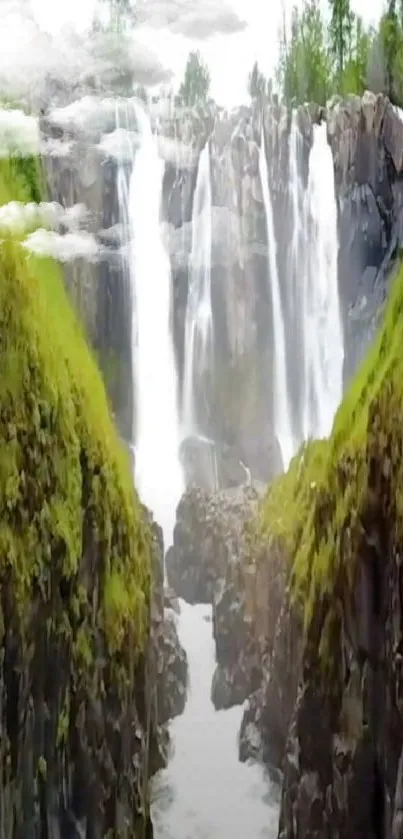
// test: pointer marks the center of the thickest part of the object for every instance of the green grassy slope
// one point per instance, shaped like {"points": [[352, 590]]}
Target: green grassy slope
{"points": [[65, 481], [323, 506]]}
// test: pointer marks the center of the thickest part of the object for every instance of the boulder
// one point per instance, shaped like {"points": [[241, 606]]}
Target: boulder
{"points": [[207, 528], [167, 658], [268, 711]]}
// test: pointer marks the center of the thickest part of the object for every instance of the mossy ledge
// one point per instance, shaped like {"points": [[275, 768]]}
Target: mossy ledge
{"points": [[339, 514], [75, 560], [336, 491]]}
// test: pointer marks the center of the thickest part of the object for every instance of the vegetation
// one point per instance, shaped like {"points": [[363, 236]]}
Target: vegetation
{"points": [[337, 490], [258, 85], [69, 516], [330, 51], [195, 87]]}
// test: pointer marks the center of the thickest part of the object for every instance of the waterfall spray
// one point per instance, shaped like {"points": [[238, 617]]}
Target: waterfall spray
{"points": [[199, 320], [282, 421]]}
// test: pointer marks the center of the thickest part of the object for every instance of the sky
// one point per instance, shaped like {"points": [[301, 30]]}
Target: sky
{"points": [[250, 32]]}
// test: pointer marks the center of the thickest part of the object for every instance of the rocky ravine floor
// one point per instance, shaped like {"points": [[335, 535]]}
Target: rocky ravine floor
{"points": [[217, 559]]}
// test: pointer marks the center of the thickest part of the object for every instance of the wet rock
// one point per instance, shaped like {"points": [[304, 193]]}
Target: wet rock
{"points": [[365, 135], [211, 466], [207, 527], [268, 710], [168, 659], [343, 758], [172, 672]]}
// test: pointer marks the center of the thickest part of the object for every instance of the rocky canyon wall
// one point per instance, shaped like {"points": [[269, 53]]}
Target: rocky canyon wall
{"points": [[323, 706], [366, 138], [91, 668]]}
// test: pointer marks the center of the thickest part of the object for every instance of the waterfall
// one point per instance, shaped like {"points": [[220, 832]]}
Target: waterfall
{"points": [[315, 324], [323, 332], [281, 410], [157, 469], [198, 358]]}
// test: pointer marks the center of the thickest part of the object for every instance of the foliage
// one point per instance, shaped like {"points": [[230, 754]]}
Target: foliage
{"points": [[391, 39], [195, 87], [66, 493], [323, 55], [258, 86], [341, 28], [304, 69], [336, 491]]}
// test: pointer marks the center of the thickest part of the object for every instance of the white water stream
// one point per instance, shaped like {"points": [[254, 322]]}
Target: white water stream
{"points": [[281, 399], [205, 792], [323, 346], [199, 318], [307, 324], [313, 286], [158, 473]]}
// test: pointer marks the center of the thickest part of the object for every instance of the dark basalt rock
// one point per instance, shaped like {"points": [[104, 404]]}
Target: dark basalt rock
{"points": [[168, 658]]}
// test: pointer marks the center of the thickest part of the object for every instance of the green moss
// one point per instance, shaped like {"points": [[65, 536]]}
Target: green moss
{"points": [[65, 481], [333, 489]]}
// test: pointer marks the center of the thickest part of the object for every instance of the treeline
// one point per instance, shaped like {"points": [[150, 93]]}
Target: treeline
{"points": [[322, 51], [331, 51]]}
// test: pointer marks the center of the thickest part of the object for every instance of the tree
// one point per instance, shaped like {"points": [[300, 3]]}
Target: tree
{"points": [[341, 27], [257, 84], [303, 72], [196, 83], [355, 74], [391, 39], [140, 92]]}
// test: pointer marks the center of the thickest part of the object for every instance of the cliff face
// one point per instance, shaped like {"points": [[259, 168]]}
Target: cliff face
{"points": [[366, 138], [343, 757], [98, 289], [80, 734]]}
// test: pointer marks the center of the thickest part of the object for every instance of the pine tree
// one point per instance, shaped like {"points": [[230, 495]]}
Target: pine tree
{"points": [[341, 28], [257, 84], [196, 83]]}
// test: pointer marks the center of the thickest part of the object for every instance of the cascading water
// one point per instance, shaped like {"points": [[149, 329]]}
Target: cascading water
{"points": [[219, 796], [323, 333], [158, 473], [281, 401], [313, 289], [205, 792], [199, 320]]}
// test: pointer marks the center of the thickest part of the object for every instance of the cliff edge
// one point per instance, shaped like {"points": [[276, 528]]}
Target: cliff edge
{"points": [[75, 572], [342, 522]]}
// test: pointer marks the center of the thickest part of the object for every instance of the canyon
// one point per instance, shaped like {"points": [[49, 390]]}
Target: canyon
{"points": [[282, 552]]}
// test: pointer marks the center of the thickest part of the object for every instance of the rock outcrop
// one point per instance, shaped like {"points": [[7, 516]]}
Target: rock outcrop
{"points": [[268, 710], [366, 138], [169, 660], [80, 735], [217, 559], [207, 528], [343, 759]]}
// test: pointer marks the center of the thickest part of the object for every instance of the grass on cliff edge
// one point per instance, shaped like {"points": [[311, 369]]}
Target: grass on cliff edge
{"points": [[332, 491], [59, 451]]}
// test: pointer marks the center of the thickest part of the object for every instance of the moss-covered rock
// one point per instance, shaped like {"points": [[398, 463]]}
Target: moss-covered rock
{"points": [[75, 572], [339, 512]]}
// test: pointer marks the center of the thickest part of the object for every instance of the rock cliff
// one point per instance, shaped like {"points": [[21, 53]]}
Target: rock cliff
{"points": [[220, 556], [343, 528], [80, 735], [366, 138]]}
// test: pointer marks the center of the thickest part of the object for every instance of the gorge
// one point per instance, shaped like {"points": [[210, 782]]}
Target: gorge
{"points": [[239, 266]]}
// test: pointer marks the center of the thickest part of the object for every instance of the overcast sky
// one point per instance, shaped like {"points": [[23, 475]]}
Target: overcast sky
{"points": [[231, 35]]}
